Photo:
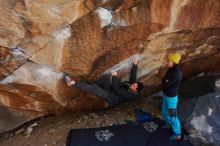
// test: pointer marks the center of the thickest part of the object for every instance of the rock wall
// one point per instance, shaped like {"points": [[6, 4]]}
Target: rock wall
{"points": [[40, 39], [200, 118]]}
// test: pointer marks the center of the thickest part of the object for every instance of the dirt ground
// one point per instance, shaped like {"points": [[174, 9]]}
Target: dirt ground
{"points": [[53, 130]]}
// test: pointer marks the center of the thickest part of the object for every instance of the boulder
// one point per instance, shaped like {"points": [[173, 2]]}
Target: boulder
{"points": [[201, 119], [11, 118], [40, 39]]}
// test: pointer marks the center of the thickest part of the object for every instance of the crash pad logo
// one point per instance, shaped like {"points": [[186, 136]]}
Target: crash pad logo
{"points": [[103, 135], [150, 126]]}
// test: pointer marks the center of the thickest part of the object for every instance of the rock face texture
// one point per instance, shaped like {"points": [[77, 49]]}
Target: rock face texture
{"points": [[199, 110], [40, 39], [201, 119], [11, 118]]}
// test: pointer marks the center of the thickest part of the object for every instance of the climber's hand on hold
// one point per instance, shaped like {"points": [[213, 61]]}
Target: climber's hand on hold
{"points": [[114, 73], [134, 60]]}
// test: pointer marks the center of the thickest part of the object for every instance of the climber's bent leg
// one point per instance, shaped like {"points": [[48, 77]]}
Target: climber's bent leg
{"points": [[98, 91], [104, 82]]}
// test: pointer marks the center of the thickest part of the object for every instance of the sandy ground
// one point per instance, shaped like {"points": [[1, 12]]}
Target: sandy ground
{"points": [[53, 130]]}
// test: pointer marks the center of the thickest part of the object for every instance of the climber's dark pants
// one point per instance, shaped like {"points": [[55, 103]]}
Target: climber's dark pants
{"points": [[101, 87], [104, 82]]}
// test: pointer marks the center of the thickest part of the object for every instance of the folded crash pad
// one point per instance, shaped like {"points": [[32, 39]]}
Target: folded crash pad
{"points": [[146, 134]]}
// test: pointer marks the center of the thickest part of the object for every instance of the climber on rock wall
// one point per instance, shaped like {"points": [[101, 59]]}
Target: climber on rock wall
{"points": [[110, 88], [171, 82]]}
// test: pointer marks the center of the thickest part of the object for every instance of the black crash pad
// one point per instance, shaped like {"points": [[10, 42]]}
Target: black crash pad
{"points": [[147, 134]]}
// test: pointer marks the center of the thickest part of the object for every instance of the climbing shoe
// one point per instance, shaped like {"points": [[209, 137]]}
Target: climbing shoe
{"points": [[166, 126], [66, 77], [175, 137]]}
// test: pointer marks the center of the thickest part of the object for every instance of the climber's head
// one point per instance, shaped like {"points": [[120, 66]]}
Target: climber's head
{"points": [[173, 59], [136, 87]]}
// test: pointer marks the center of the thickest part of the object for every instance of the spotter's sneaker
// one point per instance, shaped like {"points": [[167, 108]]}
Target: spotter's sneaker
{"points": [[165, 126], [175, 137]]}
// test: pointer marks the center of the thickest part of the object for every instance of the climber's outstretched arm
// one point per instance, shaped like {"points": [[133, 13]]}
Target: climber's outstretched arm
{"points": [[133, 73]]}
